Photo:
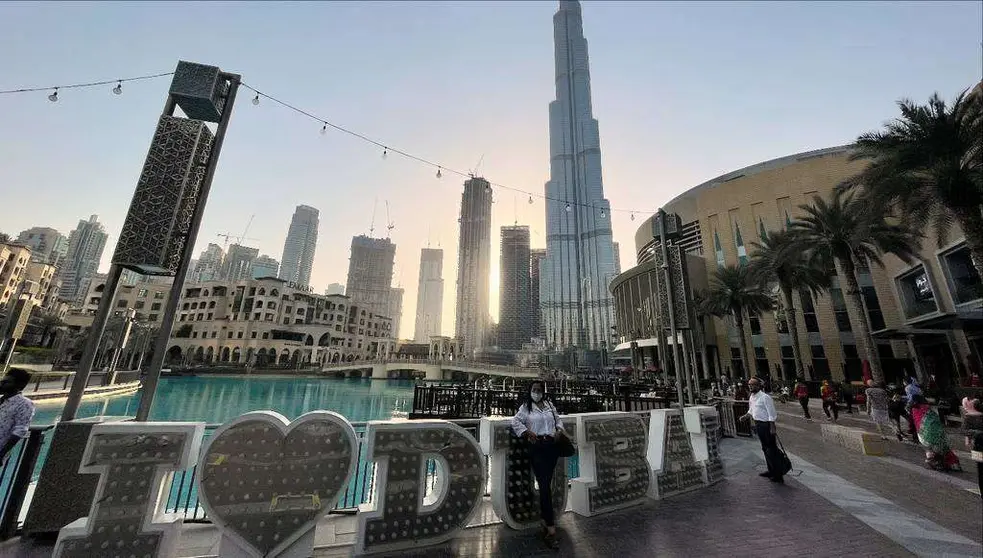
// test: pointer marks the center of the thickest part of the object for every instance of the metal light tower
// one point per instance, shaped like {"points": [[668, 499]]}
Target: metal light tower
{"points": [[165, 214]]}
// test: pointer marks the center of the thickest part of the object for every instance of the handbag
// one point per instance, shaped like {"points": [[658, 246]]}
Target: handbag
{"points": [[785, 464], [564, 447]]}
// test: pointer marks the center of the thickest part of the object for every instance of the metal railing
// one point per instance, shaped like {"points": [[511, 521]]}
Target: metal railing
{"points": [[16, 475], [460, 402]]}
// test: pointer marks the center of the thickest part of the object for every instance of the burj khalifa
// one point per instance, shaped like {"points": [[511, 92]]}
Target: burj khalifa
{"points": [[576, 304]]}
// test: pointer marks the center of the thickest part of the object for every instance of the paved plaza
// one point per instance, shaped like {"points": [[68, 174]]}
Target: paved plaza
{"points": [[835, 503]]}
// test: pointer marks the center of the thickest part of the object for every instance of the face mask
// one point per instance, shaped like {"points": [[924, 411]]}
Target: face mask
{"points": [[536, 396]]}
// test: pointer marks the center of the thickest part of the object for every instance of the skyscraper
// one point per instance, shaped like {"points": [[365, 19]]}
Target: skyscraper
{"points": [[429, 295], [209, 264], [264, 266], [238, 262], [514, 311], [85, 246], [535, 261], [474, 265], [370, 274], [47, 245], [299, 247], [395, 310], [617, 258], [578, 309]]}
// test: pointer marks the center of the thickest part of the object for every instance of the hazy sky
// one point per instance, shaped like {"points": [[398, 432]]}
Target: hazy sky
{"points": [[683, 92]]}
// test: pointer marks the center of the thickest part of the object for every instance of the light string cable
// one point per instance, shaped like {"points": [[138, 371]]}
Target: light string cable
{"points": [[53, 97], [325, 124], [441, 168]]}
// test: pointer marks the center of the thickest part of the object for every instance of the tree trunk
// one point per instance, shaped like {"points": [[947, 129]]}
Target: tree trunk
{"points": [[739, 321], [702, 342], [855, 302], [971, 222], [793, 331]]}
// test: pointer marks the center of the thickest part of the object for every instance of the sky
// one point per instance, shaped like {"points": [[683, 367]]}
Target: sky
{"points": [[683, 92]]}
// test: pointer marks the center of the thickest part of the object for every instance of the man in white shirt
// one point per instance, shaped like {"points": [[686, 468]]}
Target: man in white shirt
{"points": [[16, 411], [761, 409]]}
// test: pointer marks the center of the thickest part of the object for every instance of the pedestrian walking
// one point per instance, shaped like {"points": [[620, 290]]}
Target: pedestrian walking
{"points": [[829, 400], [877, 406], [16, 411], [932, 435], [761, 409], [802, 394], [539, 424]]}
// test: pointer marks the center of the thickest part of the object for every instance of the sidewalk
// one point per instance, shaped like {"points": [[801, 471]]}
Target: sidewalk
{"points": [[871, 506]]}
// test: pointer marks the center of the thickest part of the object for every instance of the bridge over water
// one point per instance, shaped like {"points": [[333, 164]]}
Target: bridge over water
{"points": [[434, 370]]}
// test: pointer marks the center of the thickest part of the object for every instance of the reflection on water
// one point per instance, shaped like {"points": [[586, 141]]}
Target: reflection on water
{"points": [[216, 399]]}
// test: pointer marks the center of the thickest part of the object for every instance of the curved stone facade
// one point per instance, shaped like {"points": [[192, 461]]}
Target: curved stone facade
{"points": [[723, 218]]}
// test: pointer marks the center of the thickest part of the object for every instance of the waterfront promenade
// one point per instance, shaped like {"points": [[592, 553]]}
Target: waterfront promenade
{"points": [[836, 503]]}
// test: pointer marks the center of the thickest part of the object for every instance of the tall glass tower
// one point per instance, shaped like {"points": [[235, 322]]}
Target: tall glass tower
{"points": [[299, 247], [577, 307]]}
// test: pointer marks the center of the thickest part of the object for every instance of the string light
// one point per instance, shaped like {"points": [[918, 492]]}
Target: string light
{"points": [[118, 89], [488, 189], [84, 85], [602, 212]]}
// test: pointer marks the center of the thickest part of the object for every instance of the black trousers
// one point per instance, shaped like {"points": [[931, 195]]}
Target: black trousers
{"points": [[769, 445], [827, 405], [544, 456], [804, 401]]}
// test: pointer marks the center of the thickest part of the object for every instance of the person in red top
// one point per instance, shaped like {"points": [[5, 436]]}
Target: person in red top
{"points": [[829, 400], [802, 394]]}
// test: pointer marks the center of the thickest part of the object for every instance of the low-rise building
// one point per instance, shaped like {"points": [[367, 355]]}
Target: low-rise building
{"points": [[264, 322]]}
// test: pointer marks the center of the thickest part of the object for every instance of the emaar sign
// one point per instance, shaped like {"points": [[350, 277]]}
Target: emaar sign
{"points": [[266, 482]]}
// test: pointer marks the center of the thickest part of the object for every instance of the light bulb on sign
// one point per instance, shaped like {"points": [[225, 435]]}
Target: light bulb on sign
{"points": [[118, 90]]}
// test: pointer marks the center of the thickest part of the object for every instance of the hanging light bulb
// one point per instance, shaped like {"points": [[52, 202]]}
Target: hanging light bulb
{"points": [[632, 216], [602, 212], [54, 96], [385, 152], [256, 99], [568, 208], [488, 188], [118, 90], [530, 200], [324, 129], [439, 175]]}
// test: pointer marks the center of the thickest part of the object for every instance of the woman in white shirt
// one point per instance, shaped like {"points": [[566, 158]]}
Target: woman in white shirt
{"points": [[538, 423]]}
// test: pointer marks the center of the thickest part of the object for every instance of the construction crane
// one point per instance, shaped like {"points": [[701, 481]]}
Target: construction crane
{"points": [[389, 222], [474, 173], [236, 240], [372, 224]]}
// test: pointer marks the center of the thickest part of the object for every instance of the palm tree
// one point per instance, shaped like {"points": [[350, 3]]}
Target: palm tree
{"points": [[734, 292], [778, 259], [928, 164], [847, 233], [701, 313]]}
